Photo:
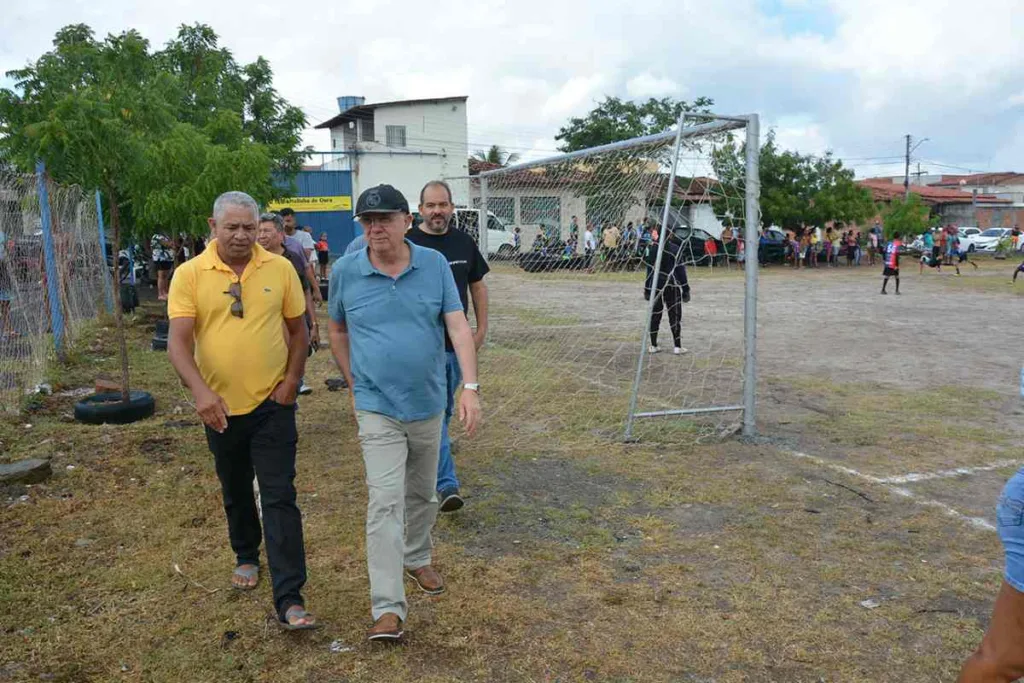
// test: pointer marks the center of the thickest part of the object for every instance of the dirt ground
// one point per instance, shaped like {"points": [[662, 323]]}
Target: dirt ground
{"points": [[839, 365], [852, 541]]}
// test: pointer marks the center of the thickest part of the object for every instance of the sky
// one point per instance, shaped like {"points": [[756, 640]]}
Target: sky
{"points": [[850, 76]]}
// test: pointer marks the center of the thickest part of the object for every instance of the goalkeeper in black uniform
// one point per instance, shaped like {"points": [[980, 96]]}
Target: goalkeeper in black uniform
{"points": [[672, 289]]}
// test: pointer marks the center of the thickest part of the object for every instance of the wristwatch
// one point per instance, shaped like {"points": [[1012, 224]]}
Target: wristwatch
{"points": [[472, 386]]}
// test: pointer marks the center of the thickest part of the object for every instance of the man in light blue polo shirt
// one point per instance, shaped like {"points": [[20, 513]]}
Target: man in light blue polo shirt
{"points": [[389, 306]]}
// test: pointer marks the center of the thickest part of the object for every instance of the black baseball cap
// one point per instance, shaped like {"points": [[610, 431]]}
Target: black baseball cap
{"points": [[381, 199]]}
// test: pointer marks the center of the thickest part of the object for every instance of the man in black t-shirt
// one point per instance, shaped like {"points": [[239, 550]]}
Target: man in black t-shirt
{"points": [[468, 267]]}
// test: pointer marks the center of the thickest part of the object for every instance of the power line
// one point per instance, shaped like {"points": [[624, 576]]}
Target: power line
{"points": [[955, 168]]}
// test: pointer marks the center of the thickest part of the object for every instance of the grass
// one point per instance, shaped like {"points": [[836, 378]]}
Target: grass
{"points": [[879, 429], [578, 557], [537, 318]]}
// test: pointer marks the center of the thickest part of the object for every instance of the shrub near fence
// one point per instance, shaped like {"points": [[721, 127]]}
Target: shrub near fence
{"points": [[53, 276]]}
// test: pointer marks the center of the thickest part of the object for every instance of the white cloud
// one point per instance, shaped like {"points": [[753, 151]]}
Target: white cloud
{"points": [[577, 92], [934, 68], [647, 85], [801, 134]]}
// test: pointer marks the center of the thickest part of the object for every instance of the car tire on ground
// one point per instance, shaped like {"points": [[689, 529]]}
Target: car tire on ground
{"points": [[108, 408], [971, 249], [505, 251]]}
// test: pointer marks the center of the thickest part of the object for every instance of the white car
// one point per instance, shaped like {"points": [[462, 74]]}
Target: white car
{"points": [[968, 235], [500, 242], [988, 239]]}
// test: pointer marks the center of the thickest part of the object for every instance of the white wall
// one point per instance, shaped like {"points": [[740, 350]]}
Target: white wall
{"points": [[703, 216], [571, 204], [437, 146], [1014, 193]]}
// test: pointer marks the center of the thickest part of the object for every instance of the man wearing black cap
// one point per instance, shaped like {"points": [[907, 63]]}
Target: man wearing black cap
{"points": [[390, 306], [469, 268]]}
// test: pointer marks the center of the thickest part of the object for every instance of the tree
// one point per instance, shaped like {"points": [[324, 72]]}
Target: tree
{"points": [[497, 155], [796, 190], [213, 86], [232, 113], [159, 140], [613, 120], [86, 109], [909, 217]]}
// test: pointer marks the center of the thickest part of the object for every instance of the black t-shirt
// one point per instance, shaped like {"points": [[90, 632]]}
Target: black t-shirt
{"points": [[466, 261]]}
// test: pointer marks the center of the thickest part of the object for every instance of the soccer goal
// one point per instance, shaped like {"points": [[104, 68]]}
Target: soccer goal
{"points": [[573, 242]]}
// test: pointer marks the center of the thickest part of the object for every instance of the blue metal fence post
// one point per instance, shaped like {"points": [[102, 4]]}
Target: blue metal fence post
{"points": [[103, 255], [49, 254]]}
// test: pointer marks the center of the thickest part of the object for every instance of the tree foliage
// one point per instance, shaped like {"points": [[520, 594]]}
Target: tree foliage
{"points": [[230, 102], [614, 120], [496, 154], [909, 217], [161, 134], [796, 189]]}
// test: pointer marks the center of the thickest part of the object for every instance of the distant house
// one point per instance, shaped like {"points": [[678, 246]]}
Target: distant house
{"points": [[534, 200], [950, 204], [1007, 186], [403, 143]]}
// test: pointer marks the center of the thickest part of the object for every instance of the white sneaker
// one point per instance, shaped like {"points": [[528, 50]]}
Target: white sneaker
{"points": [[305, 389], [679, 350], [652, 349]]}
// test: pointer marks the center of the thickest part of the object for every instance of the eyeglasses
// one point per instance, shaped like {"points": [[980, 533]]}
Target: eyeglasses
{"points": [[235, 290]]}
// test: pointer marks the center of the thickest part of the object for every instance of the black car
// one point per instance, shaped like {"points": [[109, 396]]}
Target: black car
{"points": [[772, 247], [696, 249]]}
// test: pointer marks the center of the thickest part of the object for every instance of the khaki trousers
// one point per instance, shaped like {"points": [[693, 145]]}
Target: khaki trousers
{"points": [[401, 475]]}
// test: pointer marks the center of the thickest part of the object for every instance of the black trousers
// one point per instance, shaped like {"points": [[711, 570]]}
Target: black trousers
{"points": [[263, 443], [672, 297]]}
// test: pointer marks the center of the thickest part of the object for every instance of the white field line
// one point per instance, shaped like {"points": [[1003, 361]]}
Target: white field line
{"points": [[976, 522], [948, 474]]}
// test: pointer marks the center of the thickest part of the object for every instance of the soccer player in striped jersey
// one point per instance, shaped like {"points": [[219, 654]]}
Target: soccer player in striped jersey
{"points": [[892, 263]]}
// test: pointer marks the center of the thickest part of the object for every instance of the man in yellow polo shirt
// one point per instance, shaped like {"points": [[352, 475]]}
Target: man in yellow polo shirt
{"points": [[227, 307]]}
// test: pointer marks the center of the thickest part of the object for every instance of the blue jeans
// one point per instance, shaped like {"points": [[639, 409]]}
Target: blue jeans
{"points": [[446, 478], [1010, 516]]}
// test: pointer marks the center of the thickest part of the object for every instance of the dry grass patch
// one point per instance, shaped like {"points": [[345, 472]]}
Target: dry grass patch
{"points": [[883, 430], [578, 558]]}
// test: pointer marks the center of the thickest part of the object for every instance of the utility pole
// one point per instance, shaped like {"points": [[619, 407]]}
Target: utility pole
{"points": [[906, 168], [906, 173], [919, 173]]}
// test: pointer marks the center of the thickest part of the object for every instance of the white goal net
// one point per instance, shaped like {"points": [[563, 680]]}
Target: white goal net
{"points": [[572, 242]]}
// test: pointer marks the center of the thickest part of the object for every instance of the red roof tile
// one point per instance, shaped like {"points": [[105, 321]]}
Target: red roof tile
{"points": [[885, 190], [1001, 178]]}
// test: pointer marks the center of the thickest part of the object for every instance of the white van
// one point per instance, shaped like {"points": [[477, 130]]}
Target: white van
{"points": [[500, 243]]}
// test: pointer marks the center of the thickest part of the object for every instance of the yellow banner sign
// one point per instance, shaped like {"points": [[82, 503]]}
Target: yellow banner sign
{"points": [[303, 204]]}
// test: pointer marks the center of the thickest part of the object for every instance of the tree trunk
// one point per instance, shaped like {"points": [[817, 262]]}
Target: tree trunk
{"points": [[122, 343]]}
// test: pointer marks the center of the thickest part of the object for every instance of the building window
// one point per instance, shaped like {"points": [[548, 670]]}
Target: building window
{"points": [[546, 211], [502, 207], [366, 130], [395, 136]]}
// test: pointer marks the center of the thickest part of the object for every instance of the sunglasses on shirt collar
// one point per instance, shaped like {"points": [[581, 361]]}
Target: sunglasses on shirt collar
{"points": [[235, 290]]}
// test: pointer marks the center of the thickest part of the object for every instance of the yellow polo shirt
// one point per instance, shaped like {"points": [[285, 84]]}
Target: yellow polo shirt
{"points": [[242, 359]]}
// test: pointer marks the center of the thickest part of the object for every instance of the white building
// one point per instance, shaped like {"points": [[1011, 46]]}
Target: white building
{"points": [[404, 143], [534, 203], [1007, 185]]}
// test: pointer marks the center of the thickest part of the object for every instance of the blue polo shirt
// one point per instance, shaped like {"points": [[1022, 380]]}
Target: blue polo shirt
{"points": [[396, 331]]}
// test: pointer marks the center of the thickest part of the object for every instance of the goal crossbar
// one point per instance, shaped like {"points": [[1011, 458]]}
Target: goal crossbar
{"points": [[700, 130]]}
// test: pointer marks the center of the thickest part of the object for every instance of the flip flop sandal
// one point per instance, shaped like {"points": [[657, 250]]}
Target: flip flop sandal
{"points": [[248, 575], [297, 612]]}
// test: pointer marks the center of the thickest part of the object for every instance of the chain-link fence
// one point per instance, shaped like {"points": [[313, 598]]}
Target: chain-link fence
{"points": [[53, 276]]}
